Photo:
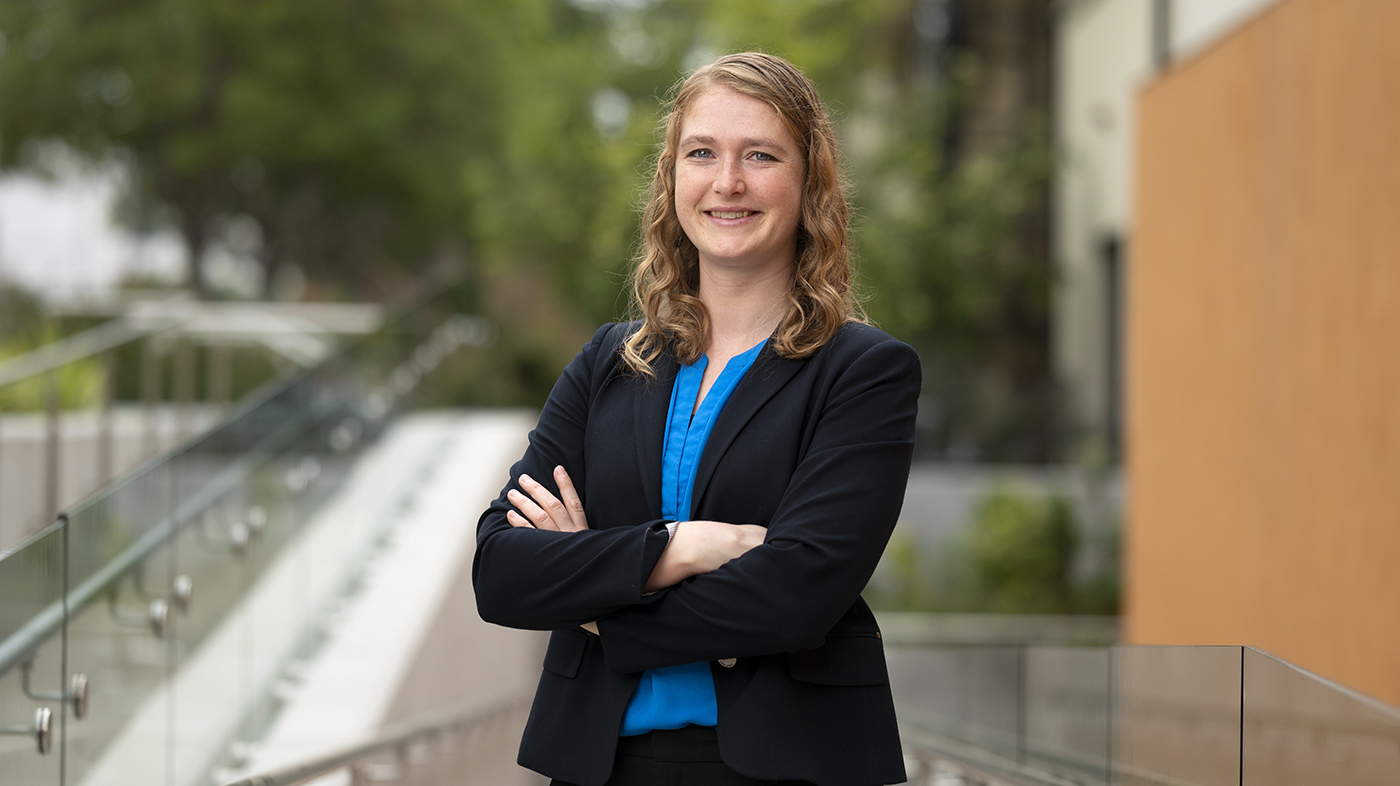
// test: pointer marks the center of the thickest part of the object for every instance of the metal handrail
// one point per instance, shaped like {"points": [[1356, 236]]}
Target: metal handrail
{"points": [[80, 346], [926, 745], [17, 647], [393, 737]]}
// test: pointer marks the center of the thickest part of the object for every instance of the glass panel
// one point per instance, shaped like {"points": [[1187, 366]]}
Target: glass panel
{"points": [[924, 681], [205, 525], [31, 586], [120, 570], [1177, 715], [969, 694], [1067, 712], [250, 490], [989, 698], [212, 555], [1300, 730]]}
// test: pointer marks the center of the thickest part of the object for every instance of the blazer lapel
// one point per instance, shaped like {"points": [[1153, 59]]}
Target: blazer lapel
{"points": [[770, 372], [652, 400]]}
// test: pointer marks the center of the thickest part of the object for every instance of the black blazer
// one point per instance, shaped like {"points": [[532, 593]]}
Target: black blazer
{"points": [[818, 451]]}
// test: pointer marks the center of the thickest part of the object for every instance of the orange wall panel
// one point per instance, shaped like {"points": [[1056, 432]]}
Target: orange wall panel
{"points": [[1264, 346]]}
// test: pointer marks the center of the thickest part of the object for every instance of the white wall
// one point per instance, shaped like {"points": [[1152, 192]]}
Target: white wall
{"points": [[1102, 53], [1197, 24]]}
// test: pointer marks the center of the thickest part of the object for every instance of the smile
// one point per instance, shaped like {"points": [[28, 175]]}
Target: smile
{"points": [[730, 214]]}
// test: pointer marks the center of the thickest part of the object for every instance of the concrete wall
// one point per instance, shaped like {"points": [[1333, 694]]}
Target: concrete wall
{"points": [[23, 446], [1264, 345]]}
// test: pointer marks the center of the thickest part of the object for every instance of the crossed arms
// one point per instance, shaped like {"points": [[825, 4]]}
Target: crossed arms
{"points": [[726, 590]]}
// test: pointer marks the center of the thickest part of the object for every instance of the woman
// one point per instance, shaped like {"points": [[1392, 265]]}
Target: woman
{"points": [[710, 487]]}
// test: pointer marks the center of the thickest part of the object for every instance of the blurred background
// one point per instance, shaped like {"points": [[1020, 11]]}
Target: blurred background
{"points": [[1144, 248], [313, 153], [334, 152]]}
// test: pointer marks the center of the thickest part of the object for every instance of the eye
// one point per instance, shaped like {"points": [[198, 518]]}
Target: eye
{"points": [[764, 157], [700, 153]]}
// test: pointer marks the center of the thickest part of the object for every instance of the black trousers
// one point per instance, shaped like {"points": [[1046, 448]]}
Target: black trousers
{"points": [[679, 757]]}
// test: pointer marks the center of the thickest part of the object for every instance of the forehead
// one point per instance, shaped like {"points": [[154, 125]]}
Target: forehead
{"points": [[722, 113]]}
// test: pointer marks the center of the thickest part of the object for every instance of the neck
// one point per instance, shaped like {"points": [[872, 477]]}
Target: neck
{"points": [[744, 308]]}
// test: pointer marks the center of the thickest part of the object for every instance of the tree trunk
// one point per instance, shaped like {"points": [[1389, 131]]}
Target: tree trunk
{"points": [[196, 239]]}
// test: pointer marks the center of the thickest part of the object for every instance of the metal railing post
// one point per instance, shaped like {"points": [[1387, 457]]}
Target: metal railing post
{"points": [[105, 459], [219, 382], [3, 541], [184, 390], [150, 394], [51, 447]]}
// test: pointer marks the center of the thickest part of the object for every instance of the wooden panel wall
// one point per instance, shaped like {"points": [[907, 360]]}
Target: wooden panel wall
{"points": [[1264, 346]]}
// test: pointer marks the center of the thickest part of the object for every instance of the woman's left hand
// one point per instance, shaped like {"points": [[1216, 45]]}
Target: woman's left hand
{"points": [[543, 510]]}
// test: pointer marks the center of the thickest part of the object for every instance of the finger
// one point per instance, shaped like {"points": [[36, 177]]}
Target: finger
{"points": [[532, 512], [549, 503], [517, 520], [572, 503]]}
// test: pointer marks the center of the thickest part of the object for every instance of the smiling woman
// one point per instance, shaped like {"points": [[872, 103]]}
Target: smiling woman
{"points": [[738, 187], [710, 486], [773, 121]]}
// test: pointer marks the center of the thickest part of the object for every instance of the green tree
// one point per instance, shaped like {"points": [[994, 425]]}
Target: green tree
{"points": [[939, 249], [362, 140], [338, 127]]}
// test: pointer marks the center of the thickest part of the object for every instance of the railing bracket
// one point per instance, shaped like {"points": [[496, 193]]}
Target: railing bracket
{"points": [[42, 730], [77, 694]]}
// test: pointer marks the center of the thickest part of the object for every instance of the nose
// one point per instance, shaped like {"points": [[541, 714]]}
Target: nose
{"points": [[730, 178]]}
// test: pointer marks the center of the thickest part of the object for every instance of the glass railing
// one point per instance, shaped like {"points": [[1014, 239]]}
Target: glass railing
{"points": [[433, 750], [1139, 716], [109, 616]]}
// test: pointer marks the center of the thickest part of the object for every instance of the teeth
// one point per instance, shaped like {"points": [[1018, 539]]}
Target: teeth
{"points": [[718, 214]]}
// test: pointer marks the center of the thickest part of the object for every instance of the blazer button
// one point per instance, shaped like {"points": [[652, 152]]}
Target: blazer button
{"points": [[728, 663]]}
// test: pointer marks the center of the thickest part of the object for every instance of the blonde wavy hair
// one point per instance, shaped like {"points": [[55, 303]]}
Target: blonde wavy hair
{"points": [[666, 277]]}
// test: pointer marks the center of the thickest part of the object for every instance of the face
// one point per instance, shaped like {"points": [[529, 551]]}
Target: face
{"points": [[738, 183]]}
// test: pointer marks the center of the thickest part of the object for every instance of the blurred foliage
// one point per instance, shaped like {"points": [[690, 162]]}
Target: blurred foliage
{"points": [[21, 315], [331, 125], [23, 327], [909, 586], [1022, 551], [364, 142], [79, 383], [1019, 555], [939, 252]]}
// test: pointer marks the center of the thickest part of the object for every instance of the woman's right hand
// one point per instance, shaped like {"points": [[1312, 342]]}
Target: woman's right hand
{"points": [[700, 547], [543, 510]]}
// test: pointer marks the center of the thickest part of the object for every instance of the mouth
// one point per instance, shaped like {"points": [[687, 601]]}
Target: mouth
{"points": [[730, 214]]}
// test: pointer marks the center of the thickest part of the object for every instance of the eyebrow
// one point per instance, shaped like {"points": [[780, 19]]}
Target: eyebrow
{"points": [[700, 139]]}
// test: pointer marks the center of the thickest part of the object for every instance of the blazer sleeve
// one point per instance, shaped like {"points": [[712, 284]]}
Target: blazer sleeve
{"points": [[823, 542], [546, 580]]}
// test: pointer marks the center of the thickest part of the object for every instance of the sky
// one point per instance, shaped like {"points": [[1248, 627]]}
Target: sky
{"points": [[57, 239]]}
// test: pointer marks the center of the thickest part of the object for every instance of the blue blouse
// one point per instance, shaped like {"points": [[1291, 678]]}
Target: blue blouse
{"points": [[678, 696]]}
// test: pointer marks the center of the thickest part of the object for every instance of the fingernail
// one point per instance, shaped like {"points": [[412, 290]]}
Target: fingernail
{"points": [[525, 478], [559, 470]]}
